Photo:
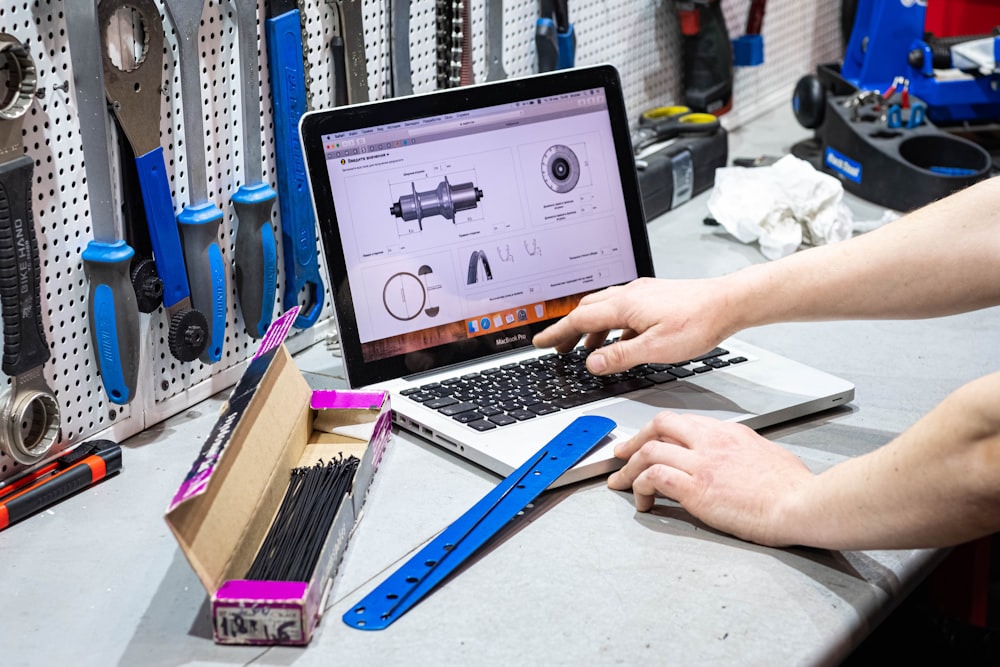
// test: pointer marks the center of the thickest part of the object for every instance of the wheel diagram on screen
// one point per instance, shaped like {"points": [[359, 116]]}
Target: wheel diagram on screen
{"points": [[406, 295], [560, 168]]}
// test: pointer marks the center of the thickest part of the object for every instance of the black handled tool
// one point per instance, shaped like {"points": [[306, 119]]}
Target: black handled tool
{"points": [[707, 55], [555, 36], [88, 464], [350, 26], [664, 123], [133, 82], [112, 305], [29, 412]]}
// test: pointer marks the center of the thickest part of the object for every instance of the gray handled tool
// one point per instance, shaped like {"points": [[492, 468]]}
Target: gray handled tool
{"points": [[132, 84], [29, 413], [256, 249], [352, 29], [494, 41], [113, 309], [208, 274], [399, 50]]}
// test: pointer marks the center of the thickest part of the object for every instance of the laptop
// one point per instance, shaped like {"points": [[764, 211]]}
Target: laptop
{"points": [[459, 223]]}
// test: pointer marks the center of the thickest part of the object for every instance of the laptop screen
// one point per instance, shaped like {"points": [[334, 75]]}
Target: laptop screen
{"points": [[457, 224]]}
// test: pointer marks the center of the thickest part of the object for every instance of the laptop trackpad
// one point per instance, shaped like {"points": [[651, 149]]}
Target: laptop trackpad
{"points": [[639, 408]]}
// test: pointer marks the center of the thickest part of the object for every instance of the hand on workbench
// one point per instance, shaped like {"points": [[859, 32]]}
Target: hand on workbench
{"points": [[661, 321], [724, 474]]}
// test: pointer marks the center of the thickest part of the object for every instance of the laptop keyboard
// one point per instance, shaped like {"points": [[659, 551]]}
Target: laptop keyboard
{"points": [[516, 392]]}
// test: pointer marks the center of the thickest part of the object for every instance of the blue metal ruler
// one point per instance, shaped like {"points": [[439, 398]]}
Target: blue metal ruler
{"points": [[418, 576]]}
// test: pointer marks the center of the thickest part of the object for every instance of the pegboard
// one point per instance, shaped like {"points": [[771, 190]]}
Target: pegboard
{"points": [[641, 38]]}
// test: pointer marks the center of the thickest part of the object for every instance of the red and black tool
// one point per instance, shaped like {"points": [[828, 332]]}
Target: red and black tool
{"points": [[707, 55], [84, 466]]}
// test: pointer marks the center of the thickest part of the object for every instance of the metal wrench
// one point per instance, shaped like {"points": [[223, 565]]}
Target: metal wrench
{"points": [[29, 412], [113, 309], [256, 249], [494, 41], [352, 24], [208, 274], [133, 88], [399, 49]]}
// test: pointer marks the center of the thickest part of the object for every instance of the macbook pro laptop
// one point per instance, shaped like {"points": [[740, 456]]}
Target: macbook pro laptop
{"points": [[459, 223]]}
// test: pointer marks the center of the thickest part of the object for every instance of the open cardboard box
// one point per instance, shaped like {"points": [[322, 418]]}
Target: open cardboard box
{"points": [[271, 423]]}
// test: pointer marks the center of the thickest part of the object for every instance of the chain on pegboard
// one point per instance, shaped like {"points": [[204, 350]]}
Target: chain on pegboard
{"points": [[641, 38]]}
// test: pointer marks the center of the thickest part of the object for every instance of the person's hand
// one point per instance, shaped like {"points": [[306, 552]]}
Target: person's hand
{"points": [[724, 474], [661, 321]]}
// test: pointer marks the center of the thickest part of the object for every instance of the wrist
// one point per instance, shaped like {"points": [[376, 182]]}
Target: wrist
{"points": [[747, 297]]}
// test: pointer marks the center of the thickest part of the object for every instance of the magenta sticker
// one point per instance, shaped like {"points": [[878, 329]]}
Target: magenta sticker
{"points": [[343, 400], [277, 332]]}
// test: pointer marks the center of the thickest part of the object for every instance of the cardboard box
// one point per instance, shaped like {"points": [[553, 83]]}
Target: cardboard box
{"points": [[221, 513]]}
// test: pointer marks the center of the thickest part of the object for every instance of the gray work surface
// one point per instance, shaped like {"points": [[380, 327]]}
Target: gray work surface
{"points": [[581, 579]]}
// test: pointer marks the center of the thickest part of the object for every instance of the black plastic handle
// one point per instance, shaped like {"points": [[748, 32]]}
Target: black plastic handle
{"points": [[24, 345]]}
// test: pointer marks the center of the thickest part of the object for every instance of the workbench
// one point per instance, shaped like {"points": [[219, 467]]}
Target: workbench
{"points": [[580, 579]]}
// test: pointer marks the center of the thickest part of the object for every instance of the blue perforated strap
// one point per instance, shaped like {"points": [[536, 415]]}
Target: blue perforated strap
{"points": [[418, 576]]}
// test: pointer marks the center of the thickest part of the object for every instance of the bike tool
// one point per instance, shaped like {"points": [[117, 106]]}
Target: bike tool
{"points": [[352, 74], [402, 589], [555, 37], [494, 41], [399, 49], [664, 123], [29, 412], [113, 309], [256, 250], [298, 222], [132, 53], [86, 465], [200, 219], [453, 43]]}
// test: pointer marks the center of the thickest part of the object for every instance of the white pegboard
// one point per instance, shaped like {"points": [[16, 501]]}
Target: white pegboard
{"points": [[641, 38]]}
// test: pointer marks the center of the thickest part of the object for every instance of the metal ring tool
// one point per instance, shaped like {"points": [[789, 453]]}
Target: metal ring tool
{"points": [[29, 412]]}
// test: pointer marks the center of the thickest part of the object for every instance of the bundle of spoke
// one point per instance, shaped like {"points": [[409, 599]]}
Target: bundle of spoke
{"points": [[296, 537]]}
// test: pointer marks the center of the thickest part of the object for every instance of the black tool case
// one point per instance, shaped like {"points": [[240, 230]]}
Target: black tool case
{"points": [[680, 170]]}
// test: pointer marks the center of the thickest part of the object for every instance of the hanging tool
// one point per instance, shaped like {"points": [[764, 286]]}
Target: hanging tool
{"points": [[399, 49], [256, 249], [29, 412], [444, 48], [298, 222], [555, 36], [199, 222], [419, 575], [132, 82], [349, 22], [494, 41], [663, 123], [113, 310], [465, 75], [86, 465], [748, 49], [707, 56]]}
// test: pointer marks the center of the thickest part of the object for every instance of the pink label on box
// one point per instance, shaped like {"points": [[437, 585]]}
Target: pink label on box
{"points": [[342, 400], [263, 591], [277, 332]]}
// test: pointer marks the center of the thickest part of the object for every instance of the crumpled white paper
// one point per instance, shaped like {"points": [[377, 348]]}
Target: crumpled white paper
{"points": [[781, 206]]}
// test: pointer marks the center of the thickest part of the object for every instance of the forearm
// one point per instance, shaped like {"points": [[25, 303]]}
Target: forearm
{"points": [[937, 484], [941, 259]]}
